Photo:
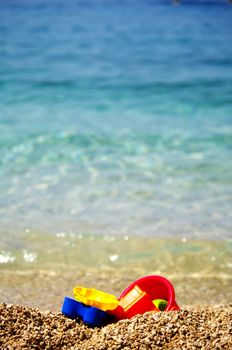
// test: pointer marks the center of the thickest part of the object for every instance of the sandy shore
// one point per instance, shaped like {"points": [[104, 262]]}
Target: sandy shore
{"points": [[197, 278], [196, 328], [46, 289]]}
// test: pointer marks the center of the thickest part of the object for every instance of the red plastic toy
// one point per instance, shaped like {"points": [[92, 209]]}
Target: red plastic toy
{"points": [[138, 297]]}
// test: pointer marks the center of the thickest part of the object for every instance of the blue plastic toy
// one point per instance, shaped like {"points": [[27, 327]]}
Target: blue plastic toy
{"points": [[90, 315]]}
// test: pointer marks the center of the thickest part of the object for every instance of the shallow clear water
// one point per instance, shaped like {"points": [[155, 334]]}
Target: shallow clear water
{"points": [[115, 118]]}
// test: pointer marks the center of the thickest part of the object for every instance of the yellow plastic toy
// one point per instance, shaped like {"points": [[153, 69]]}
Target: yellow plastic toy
{"points": [[96, 298]]}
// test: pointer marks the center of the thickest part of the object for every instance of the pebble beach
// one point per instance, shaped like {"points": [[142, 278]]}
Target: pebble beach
{"points": [[197, 328]]}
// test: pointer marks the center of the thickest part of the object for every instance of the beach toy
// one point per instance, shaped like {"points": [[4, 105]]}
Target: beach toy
{"points": [[90, 315], [96, 308], [149, 293], [96, 298], [101, 300]]}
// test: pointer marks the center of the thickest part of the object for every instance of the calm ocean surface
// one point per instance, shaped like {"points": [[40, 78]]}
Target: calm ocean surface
{"points": [[115, 119]]}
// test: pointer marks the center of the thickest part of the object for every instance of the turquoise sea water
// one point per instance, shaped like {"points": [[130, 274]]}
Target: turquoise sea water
{"points": [[115, 118]]}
